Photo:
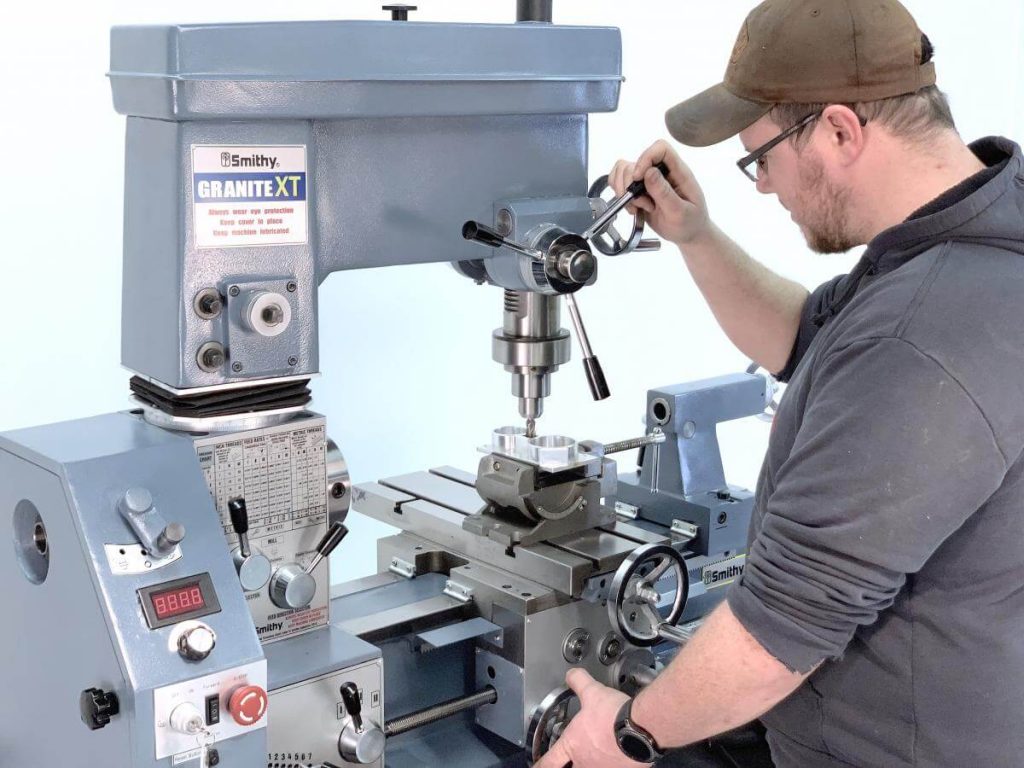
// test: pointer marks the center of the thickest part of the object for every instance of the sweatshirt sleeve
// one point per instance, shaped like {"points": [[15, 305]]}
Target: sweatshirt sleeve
{"points": [[892, 457], [822, 296]]}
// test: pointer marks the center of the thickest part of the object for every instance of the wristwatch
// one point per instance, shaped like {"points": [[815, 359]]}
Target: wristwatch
{"points": [[634, 741]]}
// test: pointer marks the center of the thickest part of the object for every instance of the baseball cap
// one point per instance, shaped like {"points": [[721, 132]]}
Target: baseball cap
{"points": [[808, 52]]}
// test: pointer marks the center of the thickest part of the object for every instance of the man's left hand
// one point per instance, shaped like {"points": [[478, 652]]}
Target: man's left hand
{"points": [[589, 741]]}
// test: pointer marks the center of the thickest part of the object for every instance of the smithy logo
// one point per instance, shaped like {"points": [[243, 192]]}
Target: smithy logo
{"points": [[229, 160]]}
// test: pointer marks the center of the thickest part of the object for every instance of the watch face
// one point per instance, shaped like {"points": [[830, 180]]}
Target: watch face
{"points": [[635, 747]]}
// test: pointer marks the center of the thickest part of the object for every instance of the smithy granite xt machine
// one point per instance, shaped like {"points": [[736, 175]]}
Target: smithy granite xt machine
{"points": [[168, 584]]}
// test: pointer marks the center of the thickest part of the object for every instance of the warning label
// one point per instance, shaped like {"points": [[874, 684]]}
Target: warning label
{"points": [[249, 195]]}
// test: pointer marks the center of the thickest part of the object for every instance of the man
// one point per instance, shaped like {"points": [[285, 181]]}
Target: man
{"points": [[880, 618]]}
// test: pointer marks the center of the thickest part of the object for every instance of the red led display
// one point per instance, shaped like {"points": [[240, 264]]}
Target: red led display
{"points": [[174, 602]]}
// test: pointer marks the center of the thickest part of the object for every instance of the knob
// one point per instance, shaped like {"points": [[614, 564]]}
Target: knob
{"points": [[248, 704], [97, 707], [399, 12], [186, 718], [196, 644], [360, 742], [292, 586], [252, 565], [171, 536]]}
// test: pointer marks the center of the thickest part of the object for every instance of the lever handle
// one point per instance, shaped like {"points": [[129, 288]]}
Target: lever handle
{"points": [[354, 707], [595, 378], [638, 188], [334, 536], [239, 516], [474, 230], [595, 374]]}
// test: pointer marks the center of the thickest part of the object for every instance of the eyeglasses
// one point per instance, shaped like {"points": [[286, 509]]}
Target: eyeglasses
{"points": [[758, 155], [753, 164]]}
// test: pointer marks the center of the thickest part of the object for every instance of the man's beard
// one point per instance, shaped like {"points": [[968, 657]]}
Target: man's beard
{"points": [[829, 230]]}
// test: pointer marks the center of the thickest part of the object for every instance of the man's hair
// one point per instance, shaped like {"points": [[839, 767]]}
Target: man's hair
{"points": [[913, 117]]}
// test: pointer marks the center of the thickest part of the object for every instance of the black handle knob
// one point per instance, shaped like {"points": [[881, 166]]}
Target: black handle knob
{"points": [[239, 516], [640, 188], [474, 230], [595, 378], [354, 707], [399, 12], [97, 707], [331, 539]]}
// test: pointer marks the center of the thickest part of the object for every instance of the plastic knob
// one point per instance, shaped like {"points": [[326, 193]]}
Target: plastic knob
{"points": [[248, 704], [186, 718], [97, 707], [197, 643]]}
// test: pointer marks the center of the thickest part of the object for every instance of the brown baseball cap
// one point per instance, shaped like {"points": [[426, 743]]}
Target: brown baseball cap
{"points": [[808, 52]]}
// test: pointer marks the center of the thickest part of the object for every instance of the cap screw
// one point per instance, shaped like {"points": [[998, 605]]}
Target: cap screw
{"points": [[292, 286], [293, 361], [234, 290]]}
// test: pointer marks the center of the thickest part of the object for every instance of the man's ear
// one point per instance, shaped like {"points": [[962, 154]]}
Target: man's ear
{"points": [[844, 133]]}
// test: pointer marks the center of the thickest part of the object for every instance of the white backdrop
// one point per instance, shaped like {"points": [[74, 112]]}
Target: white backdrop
{"points": [[408, 380]]}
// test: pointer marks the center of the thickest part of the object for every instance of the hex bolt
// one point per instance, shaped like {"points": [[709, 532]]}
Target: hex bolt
{"points": [[208, 303], [272, 315], [211, 356]]}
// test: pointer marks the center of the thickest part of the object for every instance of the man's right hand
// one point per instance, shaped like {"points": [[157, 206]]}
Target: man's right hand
{"points": [[674, 207]]}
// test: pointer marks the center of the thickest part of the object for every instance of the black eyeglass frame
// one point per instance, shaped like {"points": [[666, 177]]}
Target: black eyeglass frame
{"points": [[745, 163]]}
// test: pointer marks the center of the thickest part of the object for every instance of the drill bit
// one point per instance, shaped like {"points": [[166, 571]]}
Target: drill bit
{"points": [[531, 427]]}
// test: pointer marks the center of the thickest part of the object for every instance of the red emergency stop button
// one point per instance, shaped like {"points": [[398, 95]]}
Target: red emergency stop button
{"points": [[248, 704]]}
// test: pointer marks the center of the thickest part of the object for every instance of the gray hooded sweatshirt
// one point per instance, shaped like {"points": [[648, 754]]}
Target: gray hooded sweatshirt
{"points": [[888, 532]]}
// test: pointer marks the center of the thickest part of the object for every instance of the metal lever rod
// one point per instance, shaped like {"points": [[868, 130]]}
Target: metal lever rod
{"points": [[633, 191], [655, 438], [474, 230], [595, 375], [327, 544], [240, 522]]}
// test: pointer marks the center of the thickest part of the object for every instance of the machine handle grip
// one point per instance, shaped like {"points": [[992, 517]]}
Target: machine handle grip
{"points": [[239, 516], [595, 378], [474, 230], [640, 188], [354, 707], [331, 539]]}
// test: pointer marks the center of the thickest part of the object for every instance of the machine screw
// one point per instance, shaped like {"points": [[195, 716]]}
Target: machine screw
{"points": [[272, 315], [208, 303], [292, 286], [293, 361], [211, 357], [609, 649], [576, 645], [236, 367], [234, 290]]}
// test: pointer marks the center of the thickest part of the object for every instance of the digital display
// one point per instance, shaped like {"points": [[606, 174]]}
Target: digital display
{"points": [[174, 602]]}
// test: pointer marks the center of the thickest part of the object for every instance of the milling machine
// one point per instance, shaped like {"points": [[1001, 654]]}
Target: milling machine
{"points": [[187, 541]]}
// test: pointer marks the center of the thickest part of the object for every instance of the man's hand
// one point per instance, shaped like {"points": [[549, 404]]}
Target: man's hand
{"points": [[589, 741], [675, 207]]}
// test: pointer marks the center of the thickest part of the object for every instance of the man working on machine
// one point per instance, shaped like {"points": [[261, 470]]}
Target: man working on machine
{"points": [[880, 617]]}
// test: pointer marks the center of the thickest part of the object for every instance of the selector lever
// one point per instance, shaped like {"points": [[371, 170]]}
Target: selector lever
{"points": [[592, 366], [252, 565], [293, 586], [359, 742]]}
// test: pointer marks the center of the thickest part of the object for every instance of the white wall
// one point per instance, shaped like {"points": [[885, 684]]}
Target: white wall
{"points": [[408, 380]]}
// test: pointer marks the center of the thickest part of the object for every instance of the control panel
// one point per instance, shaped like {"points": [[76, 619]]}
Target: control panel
{"points": [[270, 489], [210, 709], [319, 721]]}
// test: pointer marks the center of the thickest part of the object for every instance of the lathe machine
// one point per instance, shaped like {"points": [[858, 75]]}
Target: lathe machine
{"points": [[169, 599]]}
